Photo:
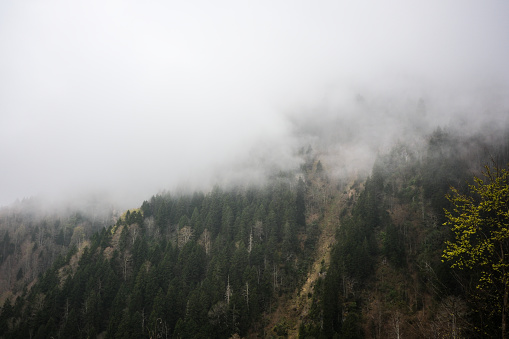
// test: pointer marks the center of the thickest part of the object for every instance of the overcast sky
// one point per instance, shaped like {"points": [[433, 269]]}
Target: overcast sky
{"points": [[131, 97]]}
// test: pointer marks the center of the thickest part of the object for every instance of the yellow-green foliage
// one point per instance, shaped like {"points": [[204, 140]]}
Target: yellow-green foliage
{"points": [[480, 222]]}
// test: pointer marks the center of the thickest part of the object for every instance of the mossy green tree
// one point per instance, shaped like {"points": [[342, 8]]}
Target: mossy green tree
{"points": [[480, 223]]}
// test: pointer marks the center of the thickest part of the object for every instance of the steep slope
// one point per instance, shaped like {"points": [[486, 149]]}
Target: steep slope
{"points": [[307, 255], [219, 259], [336, 198], [385, 277], [33, 236]]}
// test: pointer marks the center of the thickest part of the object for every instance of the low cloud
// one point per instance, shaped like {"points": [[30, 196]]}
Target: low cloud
{"points": [[130, 99]]}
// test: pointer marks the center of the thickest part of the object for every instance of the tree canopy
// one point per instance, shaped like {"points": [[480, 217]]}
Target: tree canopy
{"points": [[480, 223]]}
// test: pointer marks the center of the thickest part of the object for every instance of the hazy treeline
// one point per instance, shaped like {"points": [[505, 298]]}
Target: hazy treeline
{"points": [[216, 264], [33, 235], [200, 265], [386, 277]]}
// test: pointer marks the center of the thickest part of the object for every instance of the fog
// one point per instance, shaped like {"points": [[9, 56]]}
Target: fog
{"points": [[128, 98]]}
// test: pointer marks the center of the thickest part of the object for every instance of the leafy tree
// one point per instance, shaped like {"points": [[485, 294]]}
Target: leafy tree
{"points": [[480, 223]]}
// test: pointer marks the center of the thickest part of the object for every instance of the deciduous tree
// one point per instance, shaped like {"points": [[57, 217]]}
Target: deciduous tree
{"points": [[480, 223]]}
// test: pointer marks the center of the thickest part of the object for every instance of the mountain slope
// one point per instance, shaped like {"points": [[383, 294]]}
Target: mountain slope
{"points": [[309, 255], [218, 259]]}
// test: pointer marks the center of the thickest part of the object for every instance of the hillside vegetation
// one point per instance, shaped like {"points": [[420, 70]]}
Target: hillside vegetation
{"points": [[200, 265], [386, 278], [308, 255]]}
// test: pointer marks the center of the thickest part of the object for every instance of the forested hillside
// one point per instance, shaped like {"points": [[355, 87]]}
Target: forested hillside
{"points": [[199, 265], [387, 278], [260, 261], [33, 235]]}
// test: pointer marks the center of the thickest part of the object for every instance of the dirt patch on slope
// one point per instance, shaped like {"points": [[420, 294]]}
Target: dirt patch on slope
{"points": [[294, 309]]}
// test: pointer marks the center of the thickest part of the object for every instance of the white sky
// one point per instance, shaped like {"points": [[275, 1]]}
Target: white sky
{"points": [[130, 97]]}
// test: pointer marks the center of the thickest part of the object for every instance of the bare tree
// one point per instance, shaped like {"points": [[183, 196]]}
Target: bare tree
{"points": [[27, 259], [205, 241], [229, 292], [19, 234], [184, 235], [40, 237], [161, 329], [126, 259], [78, 236], [134, 230], [150, 224], [218, 313], [250, 242], [258, 230], [274, 277], [396, 318], [245, 292], [450, 317]]}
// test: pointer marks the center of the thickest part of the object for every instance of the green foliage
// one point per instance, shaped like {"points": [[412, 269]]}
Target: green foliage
{"points": [[480, 223], [352, 326], [212, 265], [6, 247], [392, 226], [140, 279], [445, 166], [393, 246], [281, 328], [352, 264]]}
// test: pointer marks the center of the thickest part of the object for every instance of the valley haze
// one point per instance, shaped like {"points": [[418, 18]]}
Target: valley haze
{"points": [[123, 99]]}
